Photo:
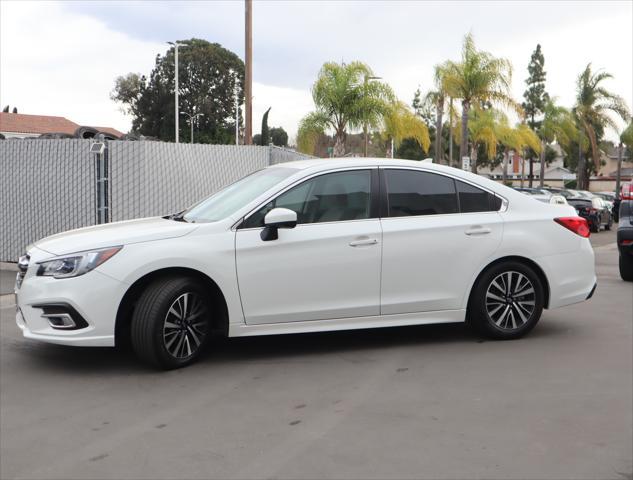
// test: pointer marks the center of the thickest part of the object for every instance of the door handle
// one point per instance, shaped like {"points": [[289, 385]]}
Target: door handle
{"points": [[478, 231], [364, 242]]}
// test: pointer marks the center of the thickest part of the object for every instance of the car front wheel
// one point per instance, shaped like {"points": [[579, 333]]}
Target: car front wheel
{"points": [[170, 324], [507, 301]]}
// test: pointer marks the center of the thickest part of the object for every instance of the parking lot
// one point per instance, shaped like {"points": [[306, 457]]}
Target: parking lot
{"points": [[414, 402]]}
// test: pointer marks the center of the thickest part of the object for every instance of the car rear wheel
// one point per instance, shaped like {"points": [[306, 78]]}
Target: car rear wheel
{"points": [[170, 324], [507, 301], [626, 267]]}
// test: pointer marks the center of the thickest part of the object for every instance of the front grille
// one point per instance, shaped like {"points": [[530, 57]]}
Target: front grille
{"points": [[23, 266]]}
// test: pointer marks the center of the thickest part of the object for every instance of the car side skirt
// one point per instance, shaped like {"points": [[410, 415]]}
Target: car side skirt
{"points": [[354, 323]]}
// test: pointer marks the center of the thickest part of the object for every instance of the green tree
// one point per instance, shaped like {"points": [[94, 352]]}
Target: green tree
{"points": [[401, 123], [279, 137], [265, 136], [626, 139], [343, 100], [557, 125], [208, 76], [535, 97], [594, 107], [477, 79], [437, 98]]}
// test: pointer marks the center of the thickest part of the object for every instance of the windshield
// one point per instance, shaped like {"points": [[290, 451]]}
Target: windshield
{"points": [[229, 200]]}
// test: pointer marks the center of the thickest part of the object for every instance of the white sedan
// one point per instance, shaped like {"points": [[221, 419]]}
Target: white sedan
{"points": [[310, 246]]}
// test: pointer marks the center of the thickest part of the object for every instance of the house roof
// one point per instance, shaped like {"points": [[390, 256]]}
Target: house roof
{"points": [[22, 123]]}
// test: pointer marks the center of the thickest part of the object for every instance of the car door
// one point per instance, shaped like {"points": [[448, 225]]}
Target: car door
{"points": [[326, 267], [438, 232]]}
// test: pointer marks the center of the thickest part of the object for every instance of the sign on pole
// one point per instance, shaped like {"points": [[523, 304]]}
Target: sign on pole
{"points": [[466, 163]]}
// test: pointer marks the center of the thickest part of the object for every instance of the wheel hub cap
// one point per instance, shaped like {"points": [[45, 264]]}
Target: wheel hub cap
{"points": [[510, 300], [185, 326]]}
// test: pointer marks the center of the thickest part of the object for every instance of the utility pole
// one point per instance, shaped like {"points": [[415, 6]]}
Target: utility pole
{"points": [[237, 111], [176, 45], [248, 80], [618, 177]]}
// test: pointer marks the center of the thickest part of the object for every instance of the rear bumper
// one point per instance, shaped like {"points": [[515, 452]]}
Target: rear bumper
{"points": [[571, 276], [625, 235]]}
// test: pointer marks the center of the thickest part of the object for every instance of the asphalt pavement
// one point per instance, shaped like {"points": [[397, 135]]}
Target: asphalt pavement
{"points": [[415, 402]]}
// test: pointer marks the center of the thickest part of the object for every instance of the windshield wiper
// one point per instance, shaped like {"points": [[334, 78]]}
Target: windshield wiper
{"points": [[177, 217]]}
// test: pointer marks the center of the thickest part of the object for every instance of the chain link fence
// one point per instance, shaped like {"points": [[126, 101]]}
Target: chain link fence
{"points": [[49, 186]]}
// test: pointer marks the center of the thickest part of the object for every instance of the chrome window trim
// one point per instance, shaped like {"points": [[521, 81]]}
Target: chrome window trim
{"points": [[504, 200]]}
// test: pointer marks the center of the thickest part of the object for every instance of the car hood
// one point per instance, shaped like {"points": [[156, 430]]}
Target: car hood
{"points": [[113, 234]]}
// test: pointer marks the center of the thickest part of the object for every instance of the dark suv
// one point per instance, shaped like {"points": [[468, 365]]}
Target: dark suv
{"points": [[625, 232], [594, 210]]}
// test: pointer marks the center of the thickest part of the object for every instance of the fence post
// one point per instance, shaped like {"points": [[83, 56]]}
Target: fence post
{"points": [[100, 149]]}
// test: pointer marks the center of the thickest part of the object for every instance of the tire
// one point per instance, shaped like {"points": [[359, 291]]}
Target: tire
{"points": [[609, 224], [159, 336], [626, 267], [489, 310]]}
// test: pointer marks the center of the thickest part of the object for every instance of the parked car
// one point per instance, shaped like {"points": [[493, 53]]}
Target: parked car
{"points": [[585, 194], [315, 245], [625, 232], [532, 191], [610, 200], [594, 210]]}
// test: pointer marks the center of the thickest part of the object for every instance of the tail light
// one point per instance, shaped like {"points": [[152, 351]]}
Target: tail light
{"points": [[578, 225], [626, 192]]}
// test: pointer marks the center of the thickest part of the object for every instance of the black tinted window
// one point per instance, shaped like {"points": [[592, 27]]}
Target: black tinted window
{"points": [[332, 197], [419, 193], [473, 199]]}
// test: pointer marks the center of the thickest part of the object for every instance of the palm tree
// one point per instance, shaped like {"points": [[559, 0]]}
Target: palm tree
{"points": [[437, 98], [401, 123], [593, 109], [343, 100], [626, 138], [557, 125], [482, 127], [478, 78]]}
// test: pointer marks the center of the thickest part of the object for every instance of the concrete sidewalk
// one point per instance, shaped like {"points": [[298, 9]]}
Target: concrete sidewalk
{"points": [[7, 277]]}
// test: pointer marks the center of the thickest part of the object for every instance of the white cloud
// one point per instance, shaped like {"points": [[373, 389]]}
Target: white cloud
{"points": [[56, 63], [62, 58]]}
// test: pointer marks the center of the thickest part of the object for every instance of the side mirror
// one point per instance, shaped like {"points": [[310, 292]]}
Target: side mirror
{"points": [[274, 220]]}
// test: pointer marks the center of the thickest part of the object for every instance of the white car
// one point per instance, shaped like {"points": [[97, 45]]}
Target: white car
{"points": [[315, 245]]}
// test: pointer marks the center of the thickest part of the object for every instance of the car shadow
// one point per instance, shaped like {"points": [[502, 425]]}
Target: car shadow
{"points": [[269, 348]]}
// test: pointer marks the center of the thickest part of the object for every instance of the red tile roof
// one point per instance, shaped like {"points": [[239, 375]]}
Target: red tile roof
{"points": [[21, 123]]}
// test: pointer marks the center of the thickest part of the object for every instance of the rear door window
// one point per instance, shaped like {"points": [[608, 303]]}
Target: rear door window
{"points": [[473, 199]]}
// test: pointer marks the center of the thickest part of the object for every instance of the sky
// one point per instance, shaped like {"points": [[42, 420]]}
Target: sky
{"points": [[61, 58]]}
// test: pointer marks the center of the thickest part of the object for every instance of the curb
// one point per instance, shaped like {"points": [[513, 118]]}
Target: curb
{"points": [[7, 300], [11, 267]]}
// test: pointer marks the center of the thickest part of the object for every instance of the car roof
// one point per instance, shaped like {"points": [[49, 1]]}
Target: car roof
{"points": [[308, 167]]}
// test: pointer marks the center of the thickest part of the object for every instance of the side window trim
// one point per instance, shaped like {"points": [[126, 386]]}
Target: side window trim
{"points": [[372, 201], [384, 197]]}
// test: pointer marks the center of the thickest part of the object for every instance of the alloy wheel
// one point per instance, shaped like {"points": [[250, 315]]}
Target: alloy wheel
{"points": [[185, 326], [510, 300]]}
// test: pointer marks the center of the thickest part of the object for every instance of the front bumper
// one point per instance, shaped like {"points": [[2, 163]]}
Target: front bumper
{"points": [[94, 296]]}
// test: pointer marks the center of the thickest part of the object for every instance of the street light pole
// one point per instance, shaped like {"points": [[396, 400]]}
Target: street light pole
{"points": [[191, 119], [366, 80], [248, 80], [176, 45]]}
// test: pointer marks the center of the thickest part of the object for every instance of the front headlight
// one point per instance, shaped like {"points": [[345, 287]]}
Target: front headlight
{"points": [[75, 264]]}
